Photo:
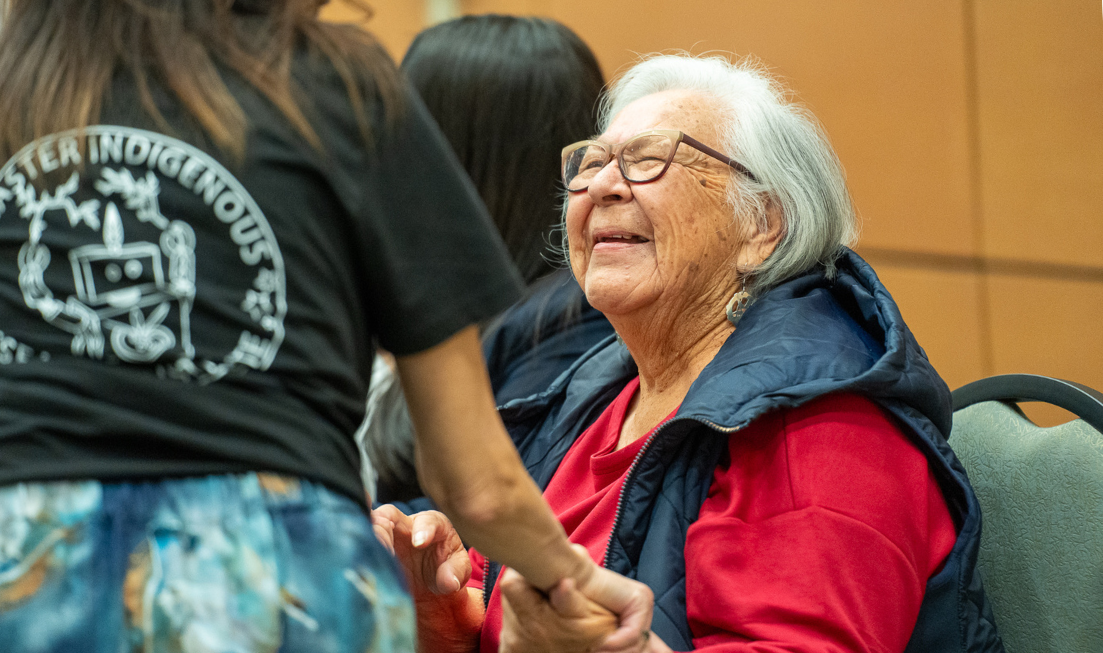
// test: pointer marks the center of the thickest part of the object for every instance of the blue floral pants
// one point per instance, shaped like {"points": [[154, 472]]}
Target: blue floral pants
{"points": [[224, 564]]}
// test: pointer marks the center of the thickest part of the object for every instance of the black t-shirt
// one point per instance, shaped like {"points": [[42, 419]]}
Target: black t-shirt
{"points": [[164, 312]]}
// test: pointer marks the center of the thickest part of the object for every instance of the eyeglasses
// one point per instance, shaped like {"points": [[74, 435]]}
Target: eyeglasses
{"points": [[643, 158]]}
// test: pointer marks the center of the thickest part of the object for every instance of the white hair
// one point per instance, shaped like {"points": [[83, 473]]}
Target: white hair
{"points": [[386, 438], [782, 144]]}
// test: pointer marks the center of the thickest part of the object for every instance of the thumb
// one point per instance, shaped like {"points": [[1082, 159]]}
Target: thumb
{"points": [[565, 599]]}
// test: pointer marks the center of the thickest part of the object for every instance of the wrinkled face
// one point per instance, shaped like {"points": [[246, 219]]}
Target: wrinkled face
{"points": [[670, 244]]}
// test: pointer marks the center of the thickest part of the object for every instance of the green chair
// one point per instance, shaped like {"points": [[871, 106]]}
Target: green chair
{"points": [[1041, 496]]}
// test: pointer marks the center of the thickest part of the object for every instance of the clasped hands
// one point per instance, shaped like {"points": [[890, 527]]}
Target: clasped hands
{"points": [[600, 611]]}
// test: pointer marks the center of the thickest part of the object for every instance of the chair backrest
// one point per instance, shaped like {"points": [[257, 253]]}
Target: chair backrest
{"points": [[1041, 497]]}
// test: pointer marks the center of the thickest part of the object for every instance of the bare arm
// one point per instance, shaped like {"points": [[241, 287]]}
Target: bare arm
{"points": [[468, 465]]}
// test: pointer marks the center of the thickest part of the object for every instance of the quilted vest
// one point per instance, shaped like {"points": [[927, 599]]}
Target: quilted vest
{"points": [[803, 339]]}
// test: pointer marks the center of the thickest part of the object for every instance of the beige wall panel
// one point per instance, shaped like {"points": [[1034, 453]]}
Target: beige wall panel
{"points": [[1048, 327], [394, 23], [1040, 92], [1044, 414], [887, 79], [548, 8], [942, 310]]}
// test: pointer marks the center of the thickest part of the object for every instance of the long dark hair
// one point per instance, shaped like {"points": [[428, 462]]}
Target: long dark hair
{"points": [[509, 93], [58, 58]]}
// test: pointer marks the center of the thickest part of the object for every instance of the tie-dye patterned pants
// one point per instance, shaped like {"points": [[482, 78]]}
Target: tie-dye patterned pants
{"points": [[224, 564]]}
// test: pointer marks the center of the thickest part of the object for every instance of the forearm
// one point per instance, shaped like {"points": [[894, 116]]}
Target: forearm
{"points": [[468, 465]]}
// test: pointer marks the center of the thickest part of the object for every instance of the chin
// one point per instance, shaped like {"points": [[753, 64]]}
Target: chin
{"points": [[611, 300]]}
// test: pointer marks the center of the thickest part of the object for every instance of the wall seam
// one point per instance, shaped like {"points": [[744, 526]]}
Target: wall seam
{"points": [[976, 196]]}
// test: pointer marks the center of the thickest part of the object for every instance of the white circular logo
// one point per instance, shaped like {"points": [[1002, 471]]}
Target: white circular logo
{"points": [[133, 269]]}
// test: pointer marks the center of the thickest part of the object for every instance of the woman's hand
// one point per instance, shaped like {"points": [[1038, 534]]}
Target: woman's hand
{"points": [[565, 621], [449, 615], [427, 546], [630, 600], [571, 616]]}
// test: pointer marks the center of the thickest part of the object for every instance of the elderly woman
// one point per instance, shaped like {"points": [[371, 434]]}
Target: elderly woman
{"points": [[764, 444]]}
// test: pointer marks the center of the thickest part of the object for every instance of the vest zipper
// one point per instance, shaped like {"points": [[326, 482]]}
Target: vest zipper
{"points": [[624, 486], [486, 578], [487, 587], [632, 469]]}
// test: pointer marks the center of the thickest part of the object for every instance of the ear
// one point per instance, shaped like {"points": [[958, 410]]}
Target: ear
{"points": [[763, 240]]}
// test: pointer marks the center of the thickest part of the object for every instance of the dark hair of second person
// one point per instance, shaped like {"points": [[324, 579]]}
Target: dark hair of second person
{"points": [[509, 92]]}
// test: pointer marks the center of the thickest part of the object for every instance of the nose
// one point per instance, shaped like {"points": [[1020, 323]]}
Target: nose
{"points": [[609, 186]]}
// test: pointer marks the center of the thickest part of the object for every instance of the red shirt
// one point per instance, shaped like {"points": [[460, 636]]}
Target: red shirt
{"points": [[819, 532]]}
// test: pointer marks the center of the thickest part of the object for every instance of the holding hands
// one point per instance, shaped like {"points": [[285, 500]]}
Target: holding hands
{"points": [[568, 616], [598, 610]]}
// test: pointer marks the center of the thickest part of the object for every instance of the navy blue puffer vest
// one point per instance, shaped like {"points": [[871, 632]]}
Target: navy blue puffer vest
{"points": [[805, 338]]}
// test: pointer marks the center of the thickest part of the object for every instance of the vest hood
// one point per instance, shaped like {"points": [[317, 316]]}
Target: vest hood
{"points": [[802, 339], [811, 336]]}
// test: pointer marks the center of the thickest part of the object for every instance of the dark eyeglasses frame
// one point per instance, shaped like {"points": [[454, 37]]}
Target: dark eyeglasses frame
{"points": [[678, 137]]}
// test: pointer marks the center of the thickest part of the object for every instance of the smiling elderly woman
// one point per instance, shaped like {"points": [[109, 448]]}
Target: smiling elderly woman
{"points": [[764, 445]]}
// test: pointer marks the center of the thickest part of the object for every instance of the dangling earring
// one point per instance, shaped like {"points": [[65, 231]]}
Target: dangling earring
{"points": [[738, 304]]}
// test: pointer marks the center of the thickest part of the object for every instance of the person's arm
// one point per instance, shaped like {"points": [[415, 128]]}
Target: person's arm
{"points": [[467, 464], [469, 467], [838, 523]]}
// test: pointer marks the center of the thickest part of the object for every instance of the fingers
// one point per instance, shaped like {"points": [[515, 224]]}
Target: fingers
{"points": [[445, 566], [390, 513], [523, 599], [567, 600], [427, 526], [641, 644], [430, 527], [386, 520], [625, 638], [510, 639], [385, 534], [631, 600], [453, 573], [564, 620]]}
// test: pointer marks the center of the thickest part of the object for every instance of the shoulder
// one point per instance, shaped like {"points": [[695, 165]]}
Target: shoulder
{"points": [[822, 501], [845, 453], [840, 453]]}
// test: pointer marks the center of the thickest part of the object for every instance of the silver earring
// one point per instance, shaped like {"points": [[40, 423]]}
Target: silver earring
{"points": [[738, 304]]}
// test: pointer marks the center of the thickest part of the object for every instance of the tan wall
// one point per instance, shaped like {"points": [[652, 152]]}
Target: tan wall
{"points": [[394, 22], [972, 135]]}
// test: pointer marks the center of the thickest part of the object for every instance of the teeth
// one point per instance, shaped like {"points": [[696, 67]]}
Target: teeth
{"points": [[624, 238]]}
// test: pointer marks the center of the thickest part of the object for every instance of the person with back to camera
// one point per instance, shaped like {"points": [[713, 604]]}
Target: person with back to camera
{"points": [[507, 92], [766, 448], [207, 214]]}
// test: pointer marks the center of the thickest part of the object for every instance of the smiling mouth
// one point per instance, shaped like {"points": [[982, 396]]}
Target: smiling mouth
{"points": [[624, 239]]}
